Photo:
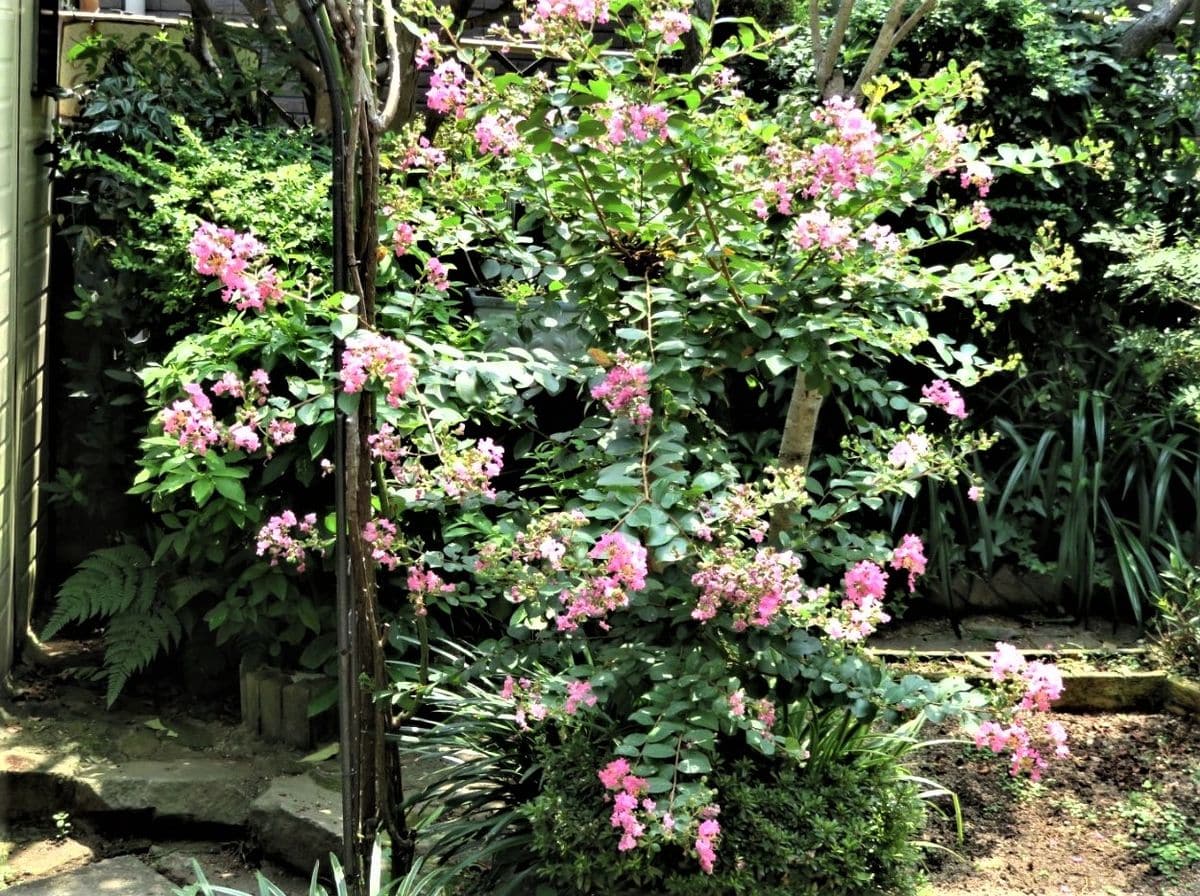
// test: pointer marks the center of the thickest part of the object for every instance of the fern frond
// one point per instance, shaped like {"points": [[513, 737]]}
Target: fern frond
{"points": [[108, 582], [133, 640]]}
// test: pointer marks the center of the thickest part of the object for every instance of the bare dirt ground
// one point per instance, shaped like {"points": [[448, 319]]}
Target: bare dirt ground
{"points": [[1120, 817]]}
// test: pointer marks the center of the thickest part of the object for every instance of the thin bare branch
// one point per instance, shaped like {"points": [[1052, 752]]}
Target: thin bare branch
{"points": [[884, 44], [384, 118], [814, 29], [833, 46]]}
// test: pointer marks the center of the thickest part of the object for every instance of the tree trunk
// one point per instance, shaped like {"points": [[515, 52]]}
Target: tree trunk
{"points": [[1147, 32], [795, 447]]}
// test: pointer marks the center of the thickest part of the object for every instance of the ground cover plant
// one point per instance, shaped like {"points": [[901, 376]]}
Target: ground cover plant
{"points": [[656, 582]]}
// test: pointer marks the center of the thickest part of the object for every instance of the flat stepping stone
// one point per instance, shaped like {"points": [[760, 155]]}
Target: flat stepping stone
{"points": [[214, 791], [298, 822], [122, 876]]}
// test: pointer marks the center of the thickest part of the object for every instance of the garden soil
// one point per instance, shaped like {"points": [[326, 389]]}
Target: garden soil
{"points": [[1132, 782]]}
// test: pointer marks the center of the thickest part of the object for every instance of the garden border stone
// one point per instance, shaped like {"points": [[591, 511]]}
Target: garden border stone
{"points": [[1153, 690]]}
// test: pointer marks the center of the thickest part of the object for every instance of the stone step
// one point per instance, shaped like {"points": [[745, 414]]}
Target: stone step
{"points": [[122, 876], [298, 822]]}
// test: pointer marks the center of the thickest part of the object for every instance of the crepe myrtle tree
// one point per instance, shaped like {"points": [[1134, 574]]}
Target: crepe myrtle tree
{"points": [[689, 239]]}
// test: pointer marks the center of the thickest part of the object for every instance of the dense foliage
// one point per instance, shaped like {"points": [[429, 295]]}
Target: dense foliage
{"points": [[601, 505]]}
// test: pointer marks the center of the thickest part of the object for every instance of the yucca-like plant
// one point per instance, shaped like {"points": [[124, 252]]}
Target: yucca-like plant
{"points": [[417, 882], [467, 815]]}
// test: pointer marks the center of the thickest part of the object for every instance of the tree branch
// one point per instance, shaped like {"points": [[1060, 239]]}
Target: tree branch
{"points": [[1145, 33]]}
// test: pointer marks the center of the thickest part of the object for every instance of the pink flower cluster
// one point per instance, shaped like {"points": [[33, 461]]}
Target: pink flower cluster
{"points": [[403, 238], [226, 254], [437, 274], [527, 695], [448, 89], [471, 472], [671, 24], [909, 450], [625, 391], [426, 50], [823, 171], [286, 538], [817, 228], [941, 394], [754, 590], [1039, 684], [624, 571], [571, 12], [627, 788], [496, 133], [706, 843], [372, 357], [578, 693], [528, 699], [862, 607], [910, 555], [640, 121], [978, 175], [380, 534], [848, 156], [423, 582], [762, 711], [424, 155], [193, 422], [536, 555]]}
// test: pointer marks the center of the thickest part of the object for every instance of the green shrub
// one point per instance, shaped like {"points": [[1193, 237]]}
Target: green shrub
{"points": [[845, 828]]}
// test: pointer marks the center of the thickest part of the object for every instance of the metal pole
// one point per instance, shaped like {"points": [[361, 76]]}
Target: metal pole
{"points": [[347, 652]]}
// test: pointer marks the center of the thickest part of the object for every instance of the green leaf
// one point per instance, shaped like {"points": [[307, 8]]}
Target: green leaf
{"points": [[231, 490], [343, 325], [695, 764]]}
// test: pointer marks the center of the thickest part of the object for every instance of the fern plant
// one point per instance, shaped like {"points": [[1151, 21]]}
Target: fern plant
{"points": [[122, 589]]}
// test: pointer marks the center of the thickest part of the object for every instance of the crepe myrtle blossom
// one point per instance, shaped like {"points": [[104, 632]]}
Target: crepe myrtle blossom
{"points": [[426, 50], [626, 789], [191, 420], [624, 570], [403, 238], [448, 89], [820, 230], [496, 133], [287, 538], [226, 254], [639, 121], [579, 693], [527, 695], [438, 274], [941, 394], [978, 175], [848, 154], [755, 590], [1039, 684], [981, 215], [910, 555], [625, 391], [382, 540], [470, 472], [671, 24], [909, 451], [423, 582], [706, 844], [572, 12], [422, 155], [370, 357]]}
